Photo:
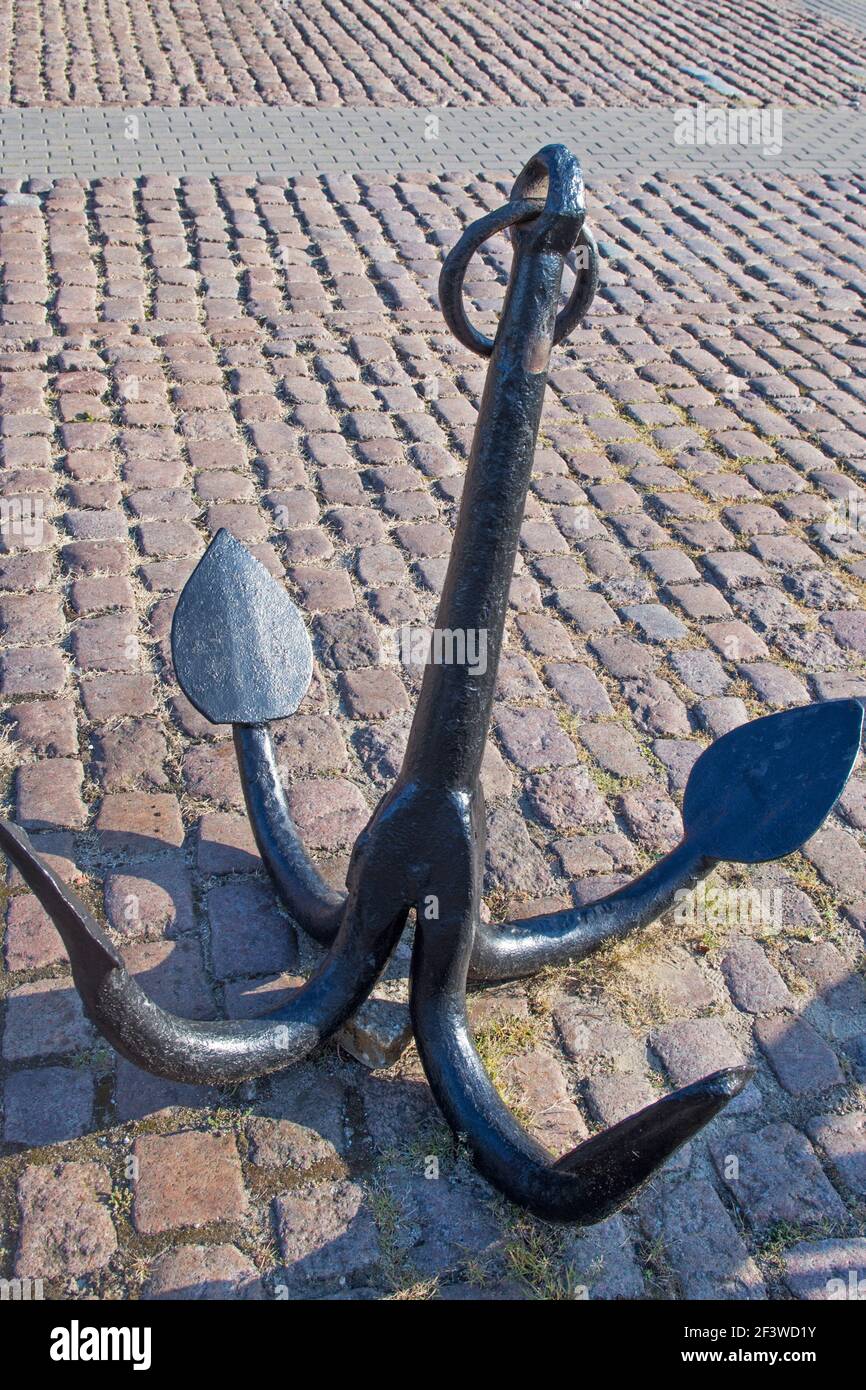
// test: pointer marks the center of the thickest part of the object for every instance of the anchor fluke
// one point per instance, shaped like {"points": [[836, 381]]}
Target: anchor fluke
{"points": [[240, 648], [763, 789]]}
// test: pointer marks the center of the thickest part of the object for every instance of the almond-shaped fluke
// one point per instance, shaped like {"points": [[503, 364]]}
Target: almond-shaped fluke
{"points": [[763, 789], [241, 651]]}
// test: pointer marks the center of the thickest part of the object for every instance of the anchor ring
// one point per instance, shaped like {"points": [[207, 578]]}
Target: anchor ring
{"points": [[457, 261]]}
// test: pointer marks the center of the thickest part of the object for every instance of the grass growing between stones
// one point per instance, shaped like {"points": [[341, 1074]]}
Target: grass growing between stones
{"points": [[533, 1254]]}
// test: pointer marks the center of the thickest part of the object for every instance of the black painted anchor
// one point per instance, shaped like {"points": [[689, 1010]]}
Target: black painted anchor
{"points": [[243, 657]]}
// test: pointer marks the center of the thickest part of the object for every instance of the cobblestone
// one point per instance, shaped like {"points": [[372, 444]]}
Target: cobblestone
{"points": [[775, 1176], [186, 1179], [701, 1243], [66, 1228]]}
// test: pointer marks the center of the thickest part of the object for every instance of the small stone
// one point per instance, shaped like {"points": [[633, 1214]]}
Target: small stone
{"points": [[373, 694], [652, 818], [154, 901], [32, 940], [47, 727], [655, 622], [203, 1272], [700, 671], [855, 1051], [838, 859], [284, 1144], [756, 986], [110, 697], [540, 1088], [210, 772], [139, 1093], [44, 1018], [614, 748], [775, 1177], [591, 1040], [701, 1243], [679, 757], [32, 671], [226, 845], [236, 952], [580, 689], [137, 824], [776, 686], [623, 657], [616, 1096], [567, 799], [131, 754], [827, 1269], [48, 1105], [48, 794], [839, 986], [719, 714], [513, 862], [381, 1029], [534, 738], [657, 708], [329, 814], [66, 1227], [693, 1048], [187, 1179], [674, 980], [843, 1139], [440, 1223], [326, 1234], [309, 744], [801, 1059]]}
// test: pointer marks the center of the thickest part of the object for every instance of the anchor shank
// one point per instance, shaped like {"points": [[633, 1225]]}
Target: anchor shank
{"points": [[446, 743]]}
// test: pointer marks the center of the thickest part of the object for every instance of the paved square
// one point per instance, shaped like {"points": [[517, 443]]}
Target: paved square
{"points": [[246, 334]]}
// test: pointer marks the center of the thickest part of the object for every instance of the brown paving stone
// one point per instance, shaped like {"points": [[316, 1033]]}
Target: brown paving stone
{"points": [[774, 1176], [186, 1179], [66, 1226], [203, 1272], [326, 1234], [140, 822]]}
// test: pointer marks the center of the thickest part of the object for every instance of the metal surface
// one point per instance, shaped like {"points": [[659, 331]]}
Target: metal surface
{"points": [[224, 1052], [243, 657], [240, 648]]}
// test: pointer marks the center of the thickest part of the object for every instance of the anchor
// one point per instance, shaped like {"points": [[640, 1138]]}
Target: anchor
{"points": [[243, 657]]}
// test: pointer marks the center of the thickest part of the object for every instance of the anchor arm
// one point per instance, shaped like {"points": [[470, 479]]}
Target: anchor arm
{"points": [[503, 951], [509, 950], [591, 1181], [316, 907], [219, 1052], [756, 794]]}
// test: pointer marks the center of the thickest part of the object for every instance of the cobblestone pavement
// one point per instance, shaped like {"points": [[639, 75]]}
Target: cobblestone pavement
{"points": [[390, 52], [267, 354]]}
